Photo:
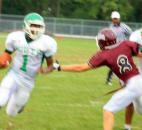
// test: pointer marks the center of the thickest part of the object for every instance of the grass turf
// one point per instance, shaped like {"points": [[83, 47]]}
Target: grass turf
{"points": [[67, 101]]}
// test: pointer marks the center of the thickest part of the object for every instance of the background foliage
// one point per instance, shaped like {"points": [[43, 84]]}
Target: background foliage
{"points": [[89, 9]]}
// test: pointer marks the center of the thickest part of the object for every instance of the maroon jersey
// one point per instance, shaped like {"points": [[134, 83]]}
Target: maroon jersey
{"points": [[118, 59]]}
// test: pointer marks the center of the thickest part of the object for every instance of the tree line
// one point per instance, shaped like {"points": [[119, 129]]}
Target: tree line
{"points": [[130, 10]]}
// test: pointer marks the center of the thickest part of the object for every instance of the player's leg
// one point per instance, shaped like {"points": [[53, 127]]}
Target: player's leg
{"points": [[6, 88], [18, 101], [129, 111], [109, 77], [108, 120], [116, 103], [128, 116], [121, 99]]}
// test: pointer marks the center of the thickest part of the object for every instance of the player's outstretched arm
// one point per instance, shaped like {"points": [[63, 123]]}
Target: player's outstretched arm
{"points": [[72, 68], [76, 67]]}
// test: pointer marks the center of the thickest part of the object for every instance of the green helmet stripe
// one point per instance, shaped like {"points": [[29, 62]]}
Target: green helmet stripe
{"points": [[33, 16]]}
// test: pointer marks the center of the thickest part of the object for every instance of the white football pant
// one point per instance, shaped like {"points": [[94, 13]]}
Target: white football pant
{"points": [[122, 98], [13, 94]]}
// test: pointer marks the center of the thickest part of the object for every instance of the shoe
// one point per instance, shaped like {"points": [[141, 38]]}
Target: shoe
{"points": [[21, 110], [109, 83]]}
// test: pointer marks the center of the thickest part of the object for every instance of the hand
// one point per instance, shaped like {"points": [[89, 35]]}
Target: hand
{"points": [[5, 59], [56, 66], [43, 70]]}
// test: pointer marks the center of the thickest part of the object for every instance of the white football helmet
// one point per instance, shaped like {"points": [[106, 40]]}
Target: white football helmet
{"points": [[34, 25]]}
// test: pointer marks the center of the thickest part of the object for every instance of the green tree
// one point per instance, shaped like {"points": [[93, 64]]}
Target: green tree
{"points": [[137, 12], [23, 7], [88, 9]]}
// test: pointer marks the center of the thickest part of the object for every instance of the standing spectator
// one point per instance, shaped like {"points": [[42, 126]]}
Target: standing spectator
{"points": [[122, 31]]}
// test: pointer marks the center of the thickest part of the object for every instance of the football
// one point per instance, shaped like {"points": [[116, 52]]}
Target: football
{"points": [[5, 60]]}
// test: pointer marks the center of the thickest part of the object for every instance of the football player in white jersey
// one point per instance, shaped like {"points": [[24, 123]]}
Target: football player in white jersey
{"points": [[136, 36], [29, 46]]}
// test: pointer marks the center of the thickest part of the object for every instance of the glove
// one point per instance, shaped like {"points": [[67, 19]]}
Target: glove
{"points": [[56, 66], [5, 59]]}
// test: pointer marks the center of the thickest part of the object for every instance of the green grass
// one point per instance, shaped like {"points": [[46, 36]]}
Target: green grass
{"points": [[67, 101]]}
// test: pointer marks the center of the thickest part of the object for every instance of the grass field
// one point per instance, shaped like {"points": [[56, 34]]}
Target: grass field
{"points": [[67, 101]]}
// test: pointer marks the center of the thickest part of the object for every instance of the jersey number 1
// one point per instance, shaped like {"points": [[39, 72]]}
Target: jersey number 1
{"points": [[25, 61]]}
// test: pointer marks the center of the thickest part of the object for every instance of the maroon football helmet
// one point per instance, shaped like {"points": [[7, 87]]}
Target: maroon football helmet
{"points": [[106, 38]]}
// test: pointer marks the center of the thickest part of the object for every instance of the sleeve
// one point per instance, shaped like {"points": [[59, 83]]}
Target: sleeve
{"points": [[9, 45], [97, 60], [52, 48]]}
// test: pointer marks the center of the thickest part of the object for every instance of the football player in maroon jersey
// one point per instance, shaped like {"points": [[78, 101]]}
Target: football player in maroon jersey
{"points": [[118, 57]]}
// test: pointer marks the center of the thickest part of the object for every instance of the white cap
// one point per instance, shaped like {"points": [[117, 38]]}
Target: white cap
{"points": [[115, 14]]}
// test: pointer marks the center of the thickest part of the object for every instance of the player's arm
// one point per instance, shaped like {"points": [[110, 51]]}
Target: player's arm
{"points": [[94, 62], [50, 51], [75, 68], [49, 68], [49, 62]]}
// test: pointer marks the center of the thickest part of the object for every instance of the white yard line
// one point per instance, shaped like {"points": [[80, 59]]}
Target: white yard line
{"points": [[61, 88], [78, 105]]}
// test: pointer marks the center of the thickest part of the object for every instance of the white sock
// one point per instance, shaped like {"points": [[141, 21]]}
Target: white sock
{"points": [[126, 126]]}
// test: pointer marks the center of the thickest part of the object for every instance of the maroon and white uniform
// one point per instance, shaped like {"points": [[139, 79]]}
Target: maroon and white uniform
{"points": [[119, 59]]}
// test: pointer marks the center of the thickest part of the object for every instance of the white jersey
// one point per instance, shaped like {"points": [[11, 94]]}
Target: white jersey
{"points": [[28, 58], [136, 36]]}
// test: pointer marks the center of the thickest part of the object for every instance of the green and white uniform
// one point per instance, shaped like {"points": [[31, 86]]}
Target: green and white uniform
{"points": [[28, 58], [18, 83]]}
